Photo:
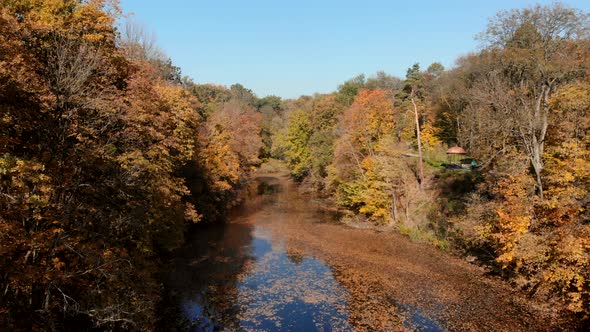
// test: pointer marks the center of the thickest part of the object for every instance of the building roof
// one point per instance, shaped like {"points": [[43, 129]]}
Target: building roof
{"points": [[456, 150]]}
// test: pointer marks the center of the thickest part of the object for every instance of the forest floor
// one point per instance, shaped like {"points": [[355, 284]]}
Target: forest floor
{"points": [[390, 277]]}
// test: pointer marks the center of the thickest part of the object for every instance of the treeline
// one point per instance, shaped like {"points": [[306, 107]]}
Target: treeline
{"points": [[520, 106], [106, 155]]}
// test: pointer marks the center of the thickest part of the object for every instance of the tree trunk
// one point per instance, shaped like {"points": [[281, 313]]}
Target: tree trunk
{"points": [[539, 133], [537, 163], [394, 209], [420, 163]]}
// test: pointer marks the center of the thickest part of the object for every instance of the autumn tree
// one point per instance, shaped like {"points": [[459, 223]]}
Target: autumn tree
{"points": [[100, 151], [273, 116], [520, 106], [382, 80], [535, 51], [294, 144], [369, 119], [324, 118], [139, 43], [230, 142]]}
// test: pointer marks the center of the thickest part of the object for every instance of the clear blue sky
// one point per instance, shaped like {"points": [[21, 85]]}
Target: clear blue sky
{"points": [[289, 48]]}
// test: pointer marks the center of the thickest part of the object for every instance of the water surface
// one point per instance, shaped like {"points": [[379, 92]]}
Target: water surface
{"points": [[238, 276]]}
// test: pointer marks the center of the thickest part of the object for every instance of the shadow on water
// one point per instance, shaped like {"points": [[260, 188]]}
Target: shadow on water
{"points": [[265, 186], [235, 276], [201, 280]]}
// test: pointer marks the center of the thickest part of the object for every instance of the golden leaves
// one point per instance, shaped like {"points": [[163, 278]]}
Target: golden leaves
{"points": [[58, 264], [370, 117], [514, 216]]}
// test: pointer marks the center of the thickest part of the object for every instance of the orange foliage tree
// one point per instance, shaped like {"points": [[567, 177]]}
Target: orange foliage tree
{"points": [[99, 154]]}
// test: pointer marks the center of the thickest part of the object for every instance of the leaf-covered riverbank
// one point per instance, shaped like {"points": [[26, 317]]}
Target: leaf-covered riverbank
{"points": [[281, 250]]}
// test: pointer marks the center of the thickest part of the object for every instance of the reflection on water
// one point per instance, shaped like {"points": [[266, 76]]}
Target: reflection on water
{"points": [[256, 286], [418, 321], [267, 188], [235, 276], [286, 292], [201, 279]]}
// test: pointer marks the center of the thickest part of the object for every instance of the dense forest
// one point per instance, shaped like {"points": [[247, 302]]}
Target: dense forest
{"points": [[520, 107], [108, 155]]}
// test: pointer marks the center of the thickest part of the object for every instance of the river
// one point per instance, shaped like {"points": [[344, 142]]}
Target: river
{"points": [[282, 262]]}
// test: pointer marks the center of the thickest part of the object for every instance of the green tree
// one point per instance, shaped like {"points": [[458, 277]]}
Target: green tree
{"points": [[348, 90]]}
